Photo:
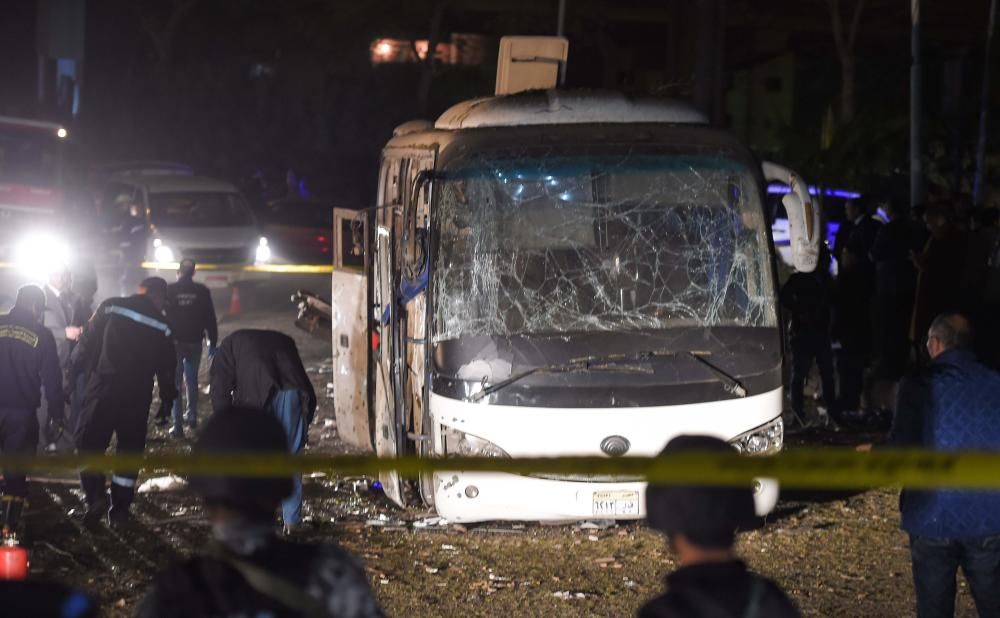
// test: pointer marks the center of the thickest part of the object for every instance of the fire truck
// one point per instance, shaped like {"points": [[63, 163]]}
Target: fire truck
{"points": [[42, 206]]}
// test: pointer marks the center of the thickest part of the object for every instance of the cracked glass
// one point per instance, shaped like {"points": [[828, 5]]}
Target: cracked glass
{"points": [[563, 243]]}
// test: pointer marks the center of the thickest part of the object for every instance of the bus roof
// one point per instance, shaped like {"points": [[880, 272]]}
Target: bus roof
{"points": [[549, 107]]}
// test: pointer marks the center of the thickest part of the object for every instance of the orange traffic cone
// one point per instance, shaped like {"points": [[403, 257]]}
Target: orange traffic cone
{"points": [[235, 308]]}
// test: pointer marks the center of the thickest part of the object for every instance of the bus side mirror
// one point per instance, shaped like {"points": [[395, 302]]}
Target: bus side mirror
{"points": [[803, 231], [804, 228]]}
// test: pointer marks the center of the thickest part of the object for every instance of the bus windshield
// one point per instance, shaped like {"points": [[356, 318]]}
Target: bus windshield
{"points": [[569, 244]]}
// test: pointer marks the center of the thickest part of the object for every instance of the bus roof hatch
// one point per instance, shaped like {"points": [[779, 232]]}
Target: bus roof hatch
{"points": [[530, 63]]}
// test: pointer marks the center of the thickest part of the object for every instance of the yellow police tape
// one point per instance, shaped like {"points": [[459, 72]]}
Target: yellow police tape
{"points": [[309, 269], [806, 468], [306, 269]]}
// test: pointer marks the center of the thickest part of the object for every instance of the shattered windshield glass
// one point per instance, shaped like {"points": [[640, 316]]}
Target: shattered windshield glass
{"points": [[568, 244]]}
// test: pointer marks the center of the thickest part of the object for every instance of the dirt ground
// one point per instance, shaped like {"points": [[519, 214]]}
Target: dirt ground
{"points": [[835, 554]]}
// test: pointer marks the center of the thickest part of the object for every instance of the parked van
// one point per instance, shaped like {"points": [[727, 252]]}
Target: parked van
{"points": [[160, 217]]}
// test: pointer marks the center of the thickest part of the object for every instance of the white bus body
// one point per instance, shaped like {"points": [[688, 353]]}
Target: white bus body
{"points": [[558, 273]]}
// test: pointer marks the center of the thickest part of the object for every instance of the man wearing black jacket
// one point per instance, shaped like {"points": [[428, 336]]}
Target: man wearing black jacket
{"points": [[701, 523], [28, 361], [262, 369], [122, 348], [191, 316], [807, 299]]}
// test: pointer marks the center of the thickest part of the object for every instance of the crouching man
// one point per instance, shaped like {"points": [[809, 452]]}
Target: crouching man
{"points": [[701, 524], [262, 370], [247, 570]]}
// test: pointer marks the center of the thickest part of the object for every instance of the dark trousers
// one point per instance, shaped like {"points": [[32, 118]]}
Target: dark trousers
{"points": [[851, 369], [76, 404], [122, 411], [806, 348], [892, 330], [188, 363], [18, 436], [936, 563]]}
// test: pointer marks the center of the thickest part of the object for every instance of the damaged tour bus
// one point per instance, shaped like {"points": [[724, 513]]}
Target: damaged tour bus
{"points": [[553, 273]]}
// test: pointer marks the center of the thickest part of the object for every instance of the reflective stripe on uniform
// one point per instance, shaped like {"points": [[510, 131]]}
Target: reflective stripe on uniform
{"points": [[124, 481], [135, 316]]}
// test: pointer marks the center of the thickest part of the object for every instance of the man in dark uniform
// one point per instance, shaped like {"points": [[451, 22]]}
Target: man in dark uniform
{"points": [[28, 361], [191, 316], [261, 369], [856, 284], [700, 524], [807, 298], [123, 346], [247, 570]]}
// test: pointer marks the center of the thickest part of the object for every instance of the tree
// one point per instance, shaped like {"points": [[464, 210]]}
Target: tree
{"points": [[977, 183], [844, 41], [161, 25]]}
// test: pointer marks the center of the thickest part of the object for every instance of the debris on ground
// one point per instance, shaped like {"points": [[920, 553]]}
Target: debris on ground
{"points": [[171, 482]]}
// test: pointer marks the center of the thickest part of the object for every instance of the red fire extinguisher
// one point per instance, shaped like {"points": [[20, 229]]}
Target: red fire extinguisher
{"points": [[13, 559]]}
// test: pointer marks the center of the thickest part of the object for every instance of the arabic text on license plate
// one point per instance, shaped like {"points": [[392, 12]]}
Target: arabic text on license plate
{"points": [[621, 502]]}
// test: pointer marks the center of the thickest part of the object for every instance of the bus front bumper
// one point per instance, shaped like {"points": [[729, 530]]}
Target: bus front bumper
{"points": [[481, 496]]}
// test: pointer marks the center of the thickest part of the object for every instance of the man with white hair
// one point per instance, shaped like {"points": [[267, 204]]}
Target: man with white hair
{"points": [[60, 302]]}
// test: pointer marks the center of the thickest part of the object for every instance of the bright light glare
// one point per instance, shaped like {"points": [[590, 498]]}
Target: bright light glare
{"points": [[263, 254], [383, 48], [162, 253], [40, 255], [61, 133]]}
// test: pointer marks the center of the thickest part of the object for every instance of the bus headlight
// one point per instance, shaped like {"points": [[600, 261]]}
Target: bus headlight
{"points": [[458, 443], [764, 440], [40, 255], [263, 254], [162, 254]]}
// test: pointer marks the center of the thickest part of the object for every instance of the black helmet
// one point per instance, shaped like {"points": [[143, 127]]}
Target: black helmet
{"points": [[706, 516], [241, 430]]}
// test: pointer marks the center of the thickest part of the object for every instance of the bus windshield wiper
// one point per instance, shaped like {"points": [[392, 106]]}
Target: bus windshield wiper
{"points": [[732, 385], [608, 363]]}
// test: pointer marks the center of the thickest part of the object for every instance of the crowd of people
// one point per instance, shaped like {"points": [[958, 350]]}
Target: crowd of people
{"points": [[905, 306], [896, 269]]}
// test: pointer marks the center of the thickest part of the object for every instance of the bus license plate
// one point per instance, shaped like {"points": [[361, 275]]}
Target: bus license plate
{"points": [[616, 502]]}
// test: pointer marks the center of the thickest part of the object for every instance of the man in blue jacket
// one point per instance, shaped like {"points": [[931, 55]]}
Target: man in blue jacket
{"points": [[951, 405]]}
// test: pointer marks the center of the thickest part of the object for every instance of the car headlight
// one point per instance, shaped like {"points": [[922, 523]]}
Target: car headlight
{"points": [[460, 444], [263, 253], [42, 254], [764, 440], [161, 252]]}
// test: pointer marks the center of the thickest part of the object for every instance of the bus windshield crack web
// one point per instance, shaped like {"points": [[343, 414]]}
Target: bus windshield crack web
{"points": [[564, 244]]}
